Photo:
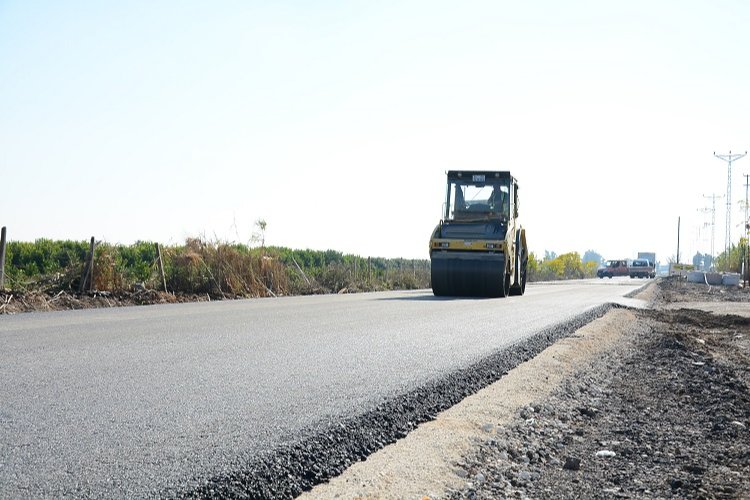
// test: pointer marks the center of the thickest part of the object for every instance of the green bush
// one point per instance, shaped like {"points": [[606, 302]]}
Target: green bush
{"points": [[731, 260], [26, 263], [560, 267]]}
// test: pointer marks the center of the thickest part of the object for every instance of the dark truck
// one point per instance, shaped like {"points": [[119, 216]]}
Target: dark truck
{"points": [[613, 268], [641, 268]]}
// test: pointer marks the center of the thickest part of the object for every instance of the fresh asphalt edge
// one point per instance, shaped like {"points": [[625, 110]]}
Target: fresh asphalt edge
{"points": [[322, 454], [638, 290]]}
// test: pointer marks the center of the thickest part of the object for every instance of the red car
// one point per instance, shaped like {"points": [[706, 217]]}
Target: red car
{"points": [[613, 268]]}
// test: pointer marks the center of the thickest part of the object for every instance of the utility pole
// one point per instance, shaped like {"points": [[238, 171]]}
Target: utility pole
{"points": [[747, 221], [678, 240], [729, 158], [746, 249], [2, 259]]}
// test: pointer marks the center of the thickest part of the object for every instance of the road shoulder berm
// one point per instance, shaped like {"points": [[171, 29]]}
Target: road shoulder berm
{"points": [[636, 404]]}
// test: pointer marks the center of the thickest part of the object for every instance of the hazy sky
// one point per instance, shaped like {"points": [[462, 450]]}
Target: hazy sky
{"points": [[336, 121]]}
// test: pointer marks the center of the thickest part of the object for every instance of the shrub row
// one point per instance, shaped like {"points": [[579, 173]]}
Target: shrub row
{"points": [[214, 268]]}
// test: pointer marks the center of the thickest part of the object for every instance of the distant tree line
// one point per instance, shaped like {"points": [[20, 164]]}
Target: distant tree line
{"points": [[563, 267]]}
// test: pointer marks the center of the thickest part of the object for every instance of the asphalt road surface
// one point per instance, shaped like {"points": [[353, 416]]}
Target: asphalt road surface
{"points": [[155, 400]]}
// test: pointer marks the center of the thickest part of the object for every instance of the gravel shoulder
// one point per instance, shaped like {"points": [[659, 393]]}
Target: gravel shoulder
{"points": [[637, 404]]}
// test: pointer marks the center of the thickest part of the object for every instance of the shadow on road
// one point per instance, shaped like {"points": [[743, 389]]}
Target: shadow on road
{"points": [[431, 298]]}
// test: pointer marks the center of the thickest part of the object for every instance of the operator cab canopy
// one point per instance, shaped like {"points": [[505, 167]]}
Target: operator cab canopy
{"points": [[478, 196]]}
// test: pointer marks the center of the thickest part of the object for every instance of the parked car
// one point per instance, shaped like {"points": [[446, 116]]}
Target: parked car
{"points": [[613, 268], [642, 268]]}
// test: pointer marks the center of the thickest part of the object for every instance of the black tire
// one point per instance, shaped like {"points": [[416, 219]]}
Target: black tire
{"points": [[522, 262]]}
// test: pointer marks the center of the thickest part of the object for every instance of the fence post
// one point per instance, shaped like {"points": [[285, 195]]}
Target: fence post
{"points": [[88, 269], [91, 262], [161, 267], [2, 258]]}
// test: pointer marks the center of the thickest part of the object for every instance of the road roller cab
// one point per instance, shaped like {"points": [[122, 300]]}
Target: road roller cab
{"points": [[479, 248]]}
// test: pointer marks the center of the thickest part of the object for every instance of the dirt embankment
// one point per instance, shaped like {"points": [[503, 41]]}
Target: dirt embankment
{"points": [[664, 414], [19, 301]]}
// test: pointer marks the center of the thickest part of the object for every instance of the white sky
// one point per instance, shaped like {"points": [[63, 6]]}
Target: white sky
{"points": [[336, 121]]}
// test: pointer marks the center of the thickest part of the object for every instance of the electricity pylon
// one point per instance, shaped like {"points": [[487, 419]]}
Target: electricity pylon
{"points": [[729, 158], [712, 211]]}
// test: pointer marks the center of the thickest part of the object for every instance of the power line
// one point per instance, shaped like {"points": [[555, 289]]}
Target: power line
{"points": [[729, 158]]}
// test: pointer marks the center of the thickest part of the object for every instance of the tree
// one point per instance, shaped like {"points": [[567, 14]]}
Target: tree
{"points": [[571, 265], [566, 266], [260, 233], [592, 256], [732, 261], [532, 270], [589, 269]]}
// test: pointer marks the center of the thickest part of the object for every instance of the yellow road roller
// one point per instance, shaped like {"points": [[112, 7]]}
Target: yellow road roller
{"points": [[479, 247]]}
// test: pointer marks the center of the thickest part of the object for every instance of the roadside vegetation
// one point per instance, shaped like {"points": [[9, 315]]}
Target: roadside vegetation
{"points": [[227, 270], [216, 269], [568, 266], [730, 260]]}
